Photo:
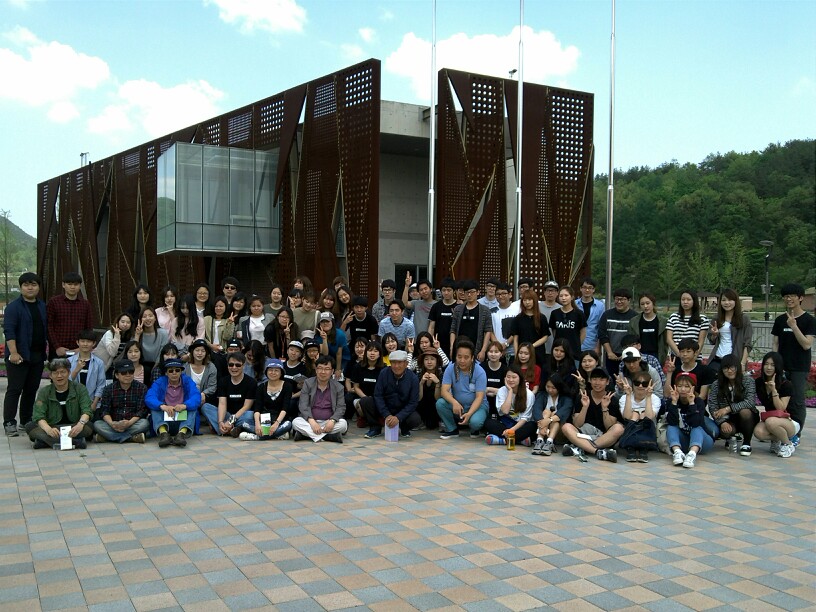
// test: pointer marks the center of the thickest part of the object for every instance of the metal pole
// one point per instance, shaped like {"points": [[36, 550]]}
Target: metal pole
{"points": [[767, 287], [432, 159], [519, 122], [610, 190]]}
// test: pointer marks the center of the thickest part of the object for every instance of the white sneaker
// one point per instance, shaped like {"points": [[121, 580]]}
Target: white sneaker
{"points": [[245, 435], [688, 462], [775, 446], [678, 457], [284, 436], [786, 450]]}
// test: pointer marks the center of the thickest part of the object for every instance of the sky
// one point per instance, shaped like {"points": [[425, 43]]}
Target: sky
{"points": [[100, 76]]}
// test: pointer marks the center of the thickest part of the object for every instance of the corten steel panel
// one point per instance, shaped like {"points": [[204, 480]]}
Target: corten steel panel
{"points": [[118, 195], [556, 177]]}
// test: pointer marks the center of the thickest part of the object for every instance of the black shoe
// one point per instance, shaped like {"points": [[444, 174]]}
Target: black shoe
{"points": [[80, 443], [298, 436], [632, 456], [406, 433], [165, 440], [570, 450], [179, 440], [11, 430], [607, 454], [643, 457], [185, 433], [41, 444], [333, 437]]}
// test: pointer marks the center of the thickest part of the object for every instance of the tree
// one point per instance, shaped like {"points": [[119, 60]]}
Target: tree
{"points": [[734, 270], [702, 272], [669, 274], [8, 251]]}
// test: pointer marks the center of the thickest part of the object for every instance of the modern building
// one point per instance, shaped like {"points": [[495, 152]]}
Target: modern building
{"points": [[326, 179]]}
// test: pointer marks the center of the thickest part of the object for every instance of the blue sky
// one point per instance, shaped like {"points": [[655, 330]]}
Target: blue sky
{"points": [[693, 77]]}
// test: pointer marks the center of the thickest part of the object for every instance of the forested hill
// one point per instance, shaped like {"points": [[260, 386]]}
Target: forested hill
{"points": [[699, 225]]}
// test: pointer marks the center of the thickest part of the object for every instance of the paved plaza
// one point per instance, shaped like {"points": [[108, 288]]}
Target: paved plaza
{"points": [[419, 524]]}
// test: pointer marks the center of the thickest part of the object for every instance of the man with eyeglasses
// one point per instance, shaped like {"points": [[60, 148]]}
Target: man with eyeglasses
{"points": [[229, 287], [472, 320], [389, 290], [236, 393], [124, 414], [502, 318], [322, 405], [489, 298], [613, 326], [170, 399], [592, 308]]}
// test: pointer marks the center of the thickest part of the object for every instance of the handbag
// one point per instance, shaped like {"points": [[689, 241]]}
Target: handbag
{"points": [[780, 414], [639, 435]]}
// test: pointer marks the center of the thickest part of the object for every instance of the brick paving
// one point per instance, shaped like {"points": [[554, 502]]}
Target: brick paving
{"points": [[420, 524]]}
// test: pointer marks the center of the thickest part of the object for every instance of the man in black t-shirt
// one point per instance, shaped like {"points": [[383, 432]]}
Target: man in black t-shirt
{"points": [[441, 316], [360, 324], [236, 394], [689, 349], [597, 423]]}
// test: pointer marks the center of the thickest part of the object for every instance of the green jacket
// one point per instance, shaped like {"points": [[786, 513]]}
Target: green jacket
{"points": [[47, 407]]}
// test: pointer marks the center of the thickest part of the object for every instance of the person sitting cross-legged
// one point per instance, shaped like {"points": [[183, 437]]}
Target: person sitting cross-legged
{"points": [[61, 403], [124, 414], [464, 401], [236, 395], [168, 398], [322, 405], [396, 397], [596, 424]]}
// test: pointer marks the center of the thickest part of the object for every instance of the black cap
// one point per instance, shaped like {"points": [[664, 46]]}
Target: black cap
{"points": [[124, 365]]}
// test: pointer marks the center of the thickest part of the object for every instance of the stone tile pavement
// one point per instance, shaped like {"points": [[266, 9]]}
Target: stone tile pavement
{"points": [[419, 524]]}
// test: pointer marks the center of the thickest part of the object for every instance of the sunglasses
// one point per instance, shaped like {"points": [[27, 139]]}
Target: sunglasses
{"points": [[234, 365], [230, 287], [128, 372], [174, 370], [641, 383]]}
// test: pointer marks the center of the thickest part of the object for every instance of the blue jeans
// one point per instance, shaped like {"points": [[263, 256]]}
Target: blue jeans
{"points": [[445, 411], [111, 435], [696, 437], [157, 417], [211, 412]]}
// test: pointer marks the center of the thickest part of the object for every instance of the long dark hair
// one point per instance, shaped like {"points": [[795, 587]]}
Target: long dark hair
{"points": [[125, 336], [778, 368], [722, 382], [736, 315], [227, 308], [135, 308], [529, 372], [520, 401], [258, 359], [567, 364], [529, 294], [695, 318], [187, 323], [245, 310], [375, 345]]}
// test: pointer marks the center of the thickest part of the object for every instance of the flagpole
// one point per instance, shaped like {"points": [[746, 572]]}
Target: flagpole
{"points": [[519, 111], [610, 190], [432, 156]]}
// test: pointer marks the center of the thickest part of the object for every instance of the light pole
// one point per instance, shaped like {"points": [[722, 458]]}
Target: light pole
{"points": [[768, 244]]}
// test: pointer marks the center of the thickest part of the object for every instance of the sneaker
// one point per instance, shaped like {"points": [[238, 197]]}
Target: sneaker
{"points": [[795, 440], [164, 439], [298, 436], [525, 442], [405, 434], [495, 440], [284, 436], [80, 443], [538, 446], [419, 427], [475, 434], [643, 456], [11, 430], [445, 435], [786, 450], [179, 440], [774, 447], [138, 438], [745, 450], [631, 456], [374, 432], [333, 437], [235, 431], [98, 438], [688, 462], [245, 435], [41, 444], [548, 447], [678, 457], [570, 450], [607, 454]]}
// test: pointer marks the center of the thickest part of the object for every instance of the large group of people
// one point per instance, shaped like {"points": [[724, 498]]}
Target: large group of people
{"points": [[306, 364]]}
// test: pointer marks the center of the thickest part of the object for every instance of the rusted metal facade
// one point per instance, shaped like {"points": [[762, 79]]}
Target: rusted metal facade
{"points": [[557, 157], [101, 219]]}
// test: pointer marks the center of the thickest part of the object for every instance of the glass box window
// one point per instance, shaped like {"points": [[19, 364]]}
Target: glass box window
{"points": [[217, 200]]}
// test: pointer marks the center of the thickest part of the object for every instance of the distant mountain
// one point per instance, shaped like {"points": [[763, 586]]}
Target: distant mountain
{"points": [[23, 247]]}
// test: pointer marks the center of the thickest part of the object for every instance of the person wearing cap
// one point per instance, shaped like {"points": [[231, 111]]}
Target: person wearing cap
{"points": [[322, 405], [25, 325], [793, 334], [167, 399], [396, 396], [613, 326], [123, 409], [489, 297], [419, 306], [333, 342], [62, 403], [689, 431], [68, 314], [272, 398], [389, 291], [294, 370], [441, 316], [596, 416], [632, 363], [397, 324], [631, 340], [592, 309], [547, 307], [640, 402], [236, 393], [472, 320], [360, 324]]}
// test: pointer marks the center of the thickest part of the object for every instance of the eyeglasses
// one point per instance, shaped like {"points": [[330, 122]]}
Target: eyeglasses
{"points": [[729, 367], [174, 370], [235, 365], [641, 383]]}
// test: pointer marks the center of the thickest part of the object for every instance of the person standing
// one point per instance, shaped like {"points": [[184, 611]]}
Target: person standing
{"points": [[613, 326], [68, 314], [472, 320], [420, 308], [441, 316], [593, 308], [793, 334], [25, 326]]}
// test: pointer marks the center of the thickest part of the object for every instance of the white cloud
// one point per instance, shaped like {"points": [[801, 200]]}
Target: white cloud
{"points": [[156, 109], [545, 57], [48, 74], [352, 53], [269, 15], [367, 34]]}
